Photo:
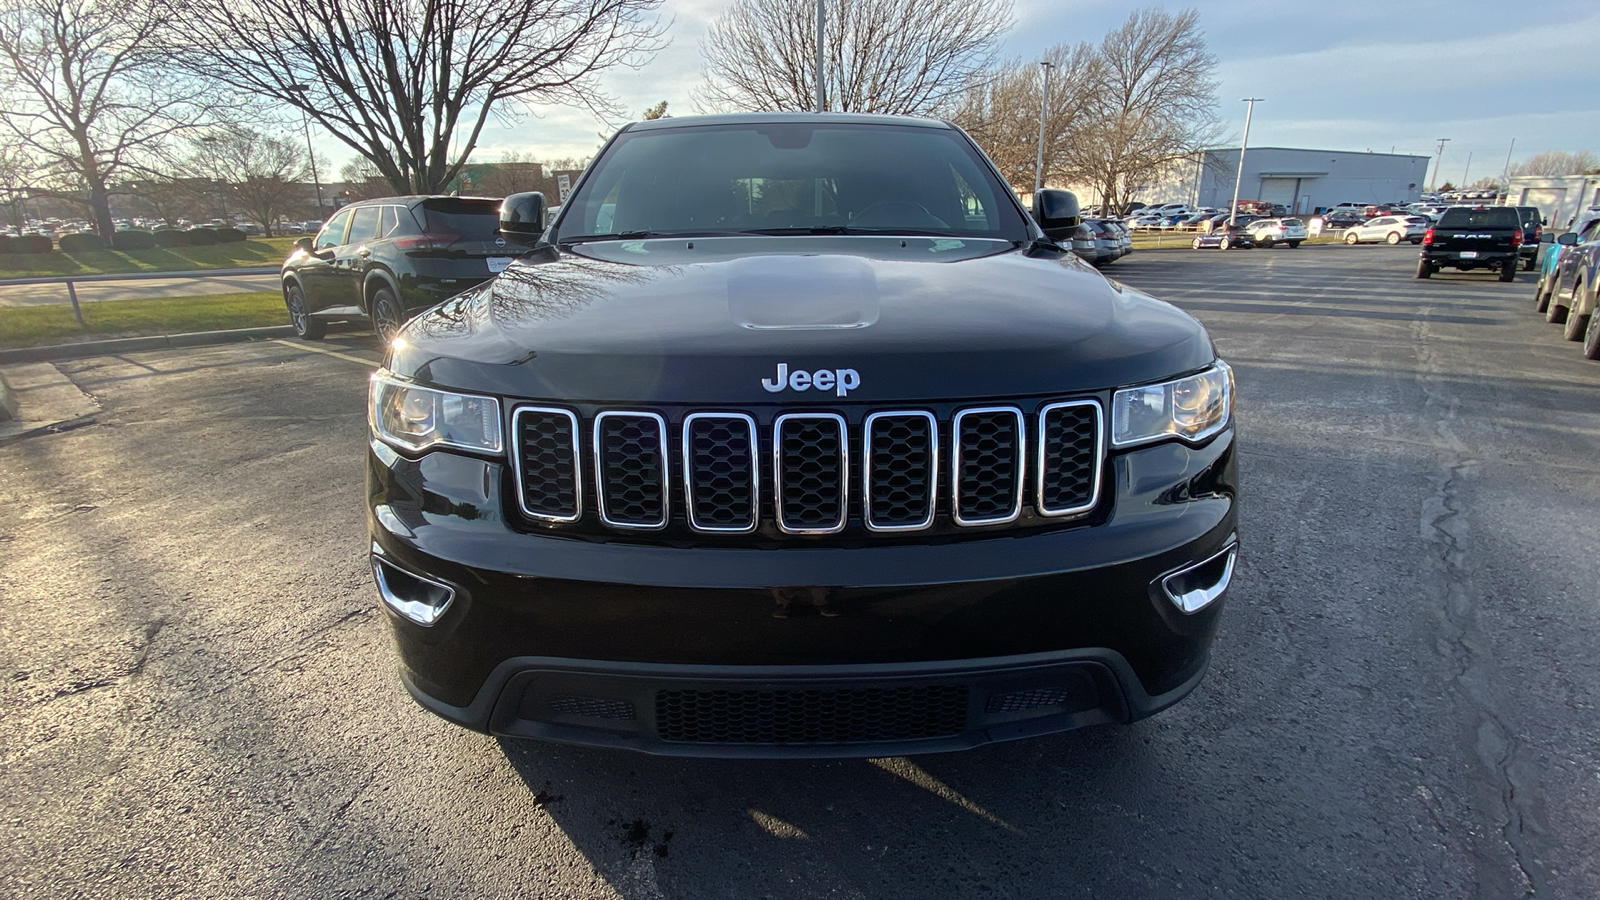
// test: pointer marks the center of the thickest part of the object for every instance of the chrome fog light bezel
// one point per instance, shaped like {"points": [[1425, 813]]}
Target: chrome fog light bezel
{"points": [[1189, 597], [420, 612]]}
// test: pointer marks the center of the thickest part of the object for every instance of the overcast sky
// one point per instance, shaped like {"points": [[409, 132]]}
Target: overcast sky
{"points": [[1344, 75]]}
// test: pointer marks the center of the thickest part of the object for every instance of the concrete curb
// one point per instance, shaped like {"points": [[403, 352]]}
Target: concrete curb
{"points": [[145, 276], [8, 403], [152, 342]]}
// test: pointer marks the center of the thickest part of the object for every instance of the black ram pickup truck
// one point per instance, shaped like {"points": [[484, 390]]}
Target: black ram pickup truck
{"points": [[1473, 237], [797, 435]]}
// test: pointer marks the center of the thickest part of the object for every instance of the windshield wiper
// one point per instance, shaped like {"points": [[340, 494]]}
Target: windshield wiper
{"points": [[854, 230], [644, 235], [613, 236]]}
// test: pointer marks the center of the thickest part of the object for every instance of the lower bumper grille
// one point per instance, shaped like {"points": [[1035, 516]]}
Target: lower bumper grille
{"points": [[821, 716]]}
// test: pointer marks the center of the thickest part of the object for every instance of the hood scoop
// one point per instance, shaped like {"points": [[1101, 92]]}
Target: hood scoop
{"points": [[803, 293]]}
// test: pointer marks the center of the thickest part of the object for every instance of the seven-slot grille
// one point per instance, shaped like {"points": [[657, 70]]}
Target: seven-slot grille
{"points": [[902, 465]]}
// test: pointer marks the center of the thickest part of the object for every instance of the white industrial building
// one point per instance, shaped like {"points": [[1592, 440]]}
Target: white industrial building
{"points": [[1305, 181], [1558, 197]]}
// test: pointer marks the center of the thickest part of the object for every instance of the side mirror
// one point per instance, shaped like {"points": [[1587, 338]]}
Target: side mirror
{"points": [[1057, 213], [1568, 239], [304, 244], [523, 214], [1547, 238]]}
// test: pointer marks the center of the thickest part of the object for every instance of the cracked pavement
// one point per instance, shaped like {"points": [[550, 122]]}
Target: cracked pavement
{"points": [[197, 695]]}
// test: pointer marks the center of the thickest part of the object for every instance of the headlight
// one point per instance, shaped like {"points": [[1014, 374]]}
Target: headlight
{"points": [[1192, 408], [416, 418]]}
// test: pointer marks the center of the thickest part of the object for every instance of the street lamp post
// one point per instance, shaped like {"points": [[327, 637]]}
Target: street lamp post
{"points": [[1433, 185], [822, 98], [1238, 179], [304, 93], [1044, 112]]}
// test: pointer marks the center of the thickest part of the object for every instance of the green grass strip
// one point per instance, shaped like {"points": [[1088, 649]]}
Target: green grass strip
{"points": [[32, 326], [256, 252]]}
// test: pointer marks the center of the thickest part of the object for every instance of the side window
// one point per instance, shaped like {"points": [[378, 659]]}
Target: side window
{"points": [[389, 222], [332, 234], [364, 225]]}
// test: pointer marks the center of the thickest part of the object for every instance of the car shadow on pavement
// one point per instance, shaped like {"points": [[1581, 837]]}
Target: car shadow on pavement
{"points": [[1041, 817]]}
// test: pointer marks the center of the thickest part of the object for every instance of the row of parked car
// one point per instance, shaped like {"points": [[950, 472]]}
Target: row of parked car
{"points": [[1101, 242], [1568, 288]]}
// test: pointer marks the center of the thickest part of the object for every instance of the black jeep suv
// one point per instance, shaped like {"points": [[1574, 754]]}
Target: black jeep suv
{"points": [[795, 434], [389, 259]]}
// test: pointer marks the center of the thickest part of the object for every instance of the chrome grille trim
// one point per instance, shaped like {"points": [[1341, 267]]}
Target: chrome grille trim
{"points": [[577, 463], [601, 476], [1019, 478], [867, 468], [844, 472], [689, 472], [1098, 462]]}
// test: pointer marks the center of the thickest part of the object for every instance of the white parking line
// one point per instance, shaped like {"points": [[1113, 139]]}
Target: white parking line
{"points": [[300, 345]]}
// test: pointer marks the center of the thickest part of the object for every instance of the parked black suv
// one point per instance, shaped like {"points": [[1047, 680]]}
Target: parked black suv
{"points": [[796, 435], [1532, 230], [389, 259]]}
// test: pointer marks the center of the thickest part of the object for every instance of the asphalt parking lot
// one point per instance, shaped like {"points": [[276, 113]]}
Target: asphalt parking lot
{"points": [[199, 697]]}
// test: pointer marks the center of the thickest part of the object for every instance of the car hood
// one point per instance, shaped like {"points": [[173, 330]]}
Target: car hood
{"points": [[708, 321]]}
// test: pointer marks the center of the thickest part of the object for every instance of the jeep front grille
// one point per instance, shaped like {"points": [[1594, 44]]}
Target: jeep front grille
{"points": [[547, 464], [721, 480], [630, 464], [999, 459], [811, 471], [900, 480], [988, 465]]}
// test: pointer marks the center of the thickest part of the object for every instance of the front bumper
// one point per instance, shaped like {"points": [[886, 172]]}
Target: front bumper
{"points": [[731, 651]]}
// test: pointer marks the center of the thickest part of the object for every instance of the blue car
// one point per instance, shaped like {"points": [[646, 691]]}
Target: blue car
{"points": [[1225, 237]]}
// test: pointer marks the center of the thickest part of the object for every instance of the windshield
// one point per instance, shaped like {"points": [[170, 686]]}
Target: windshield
{"points": [[464, 219], [791, 178], [1490, 217]]}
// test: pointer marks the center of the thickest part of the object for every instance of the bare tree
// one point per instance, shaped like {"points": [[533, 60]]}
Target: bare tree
{"points": [[402, 81], [909, 57], [253, 171], [1553, 163], [82, 92], [1002, 112], [1153, 108]]}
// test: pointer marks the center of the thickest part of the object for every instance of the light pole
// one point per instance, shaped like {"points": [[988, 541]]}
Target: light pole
{"points": [[1468, 170], [822, 98], [304, 93], [1044, 112], [1433, 185], [1238, 179], [1505, 176], [210, 141]]}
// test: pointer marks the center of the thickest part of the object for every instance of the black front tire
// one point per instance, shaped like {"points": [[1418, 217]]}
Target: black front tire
{"points": [[1541, 295], [1577, 322], [384, 310], [1591, 338], [1424, 269], [306, 326], [1266, 243], [1508, 271]]}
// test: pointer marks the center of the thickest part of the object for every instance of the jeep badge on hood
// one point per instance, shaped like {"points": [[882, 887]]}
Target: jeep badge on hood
{"points": [[840, 381]]}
